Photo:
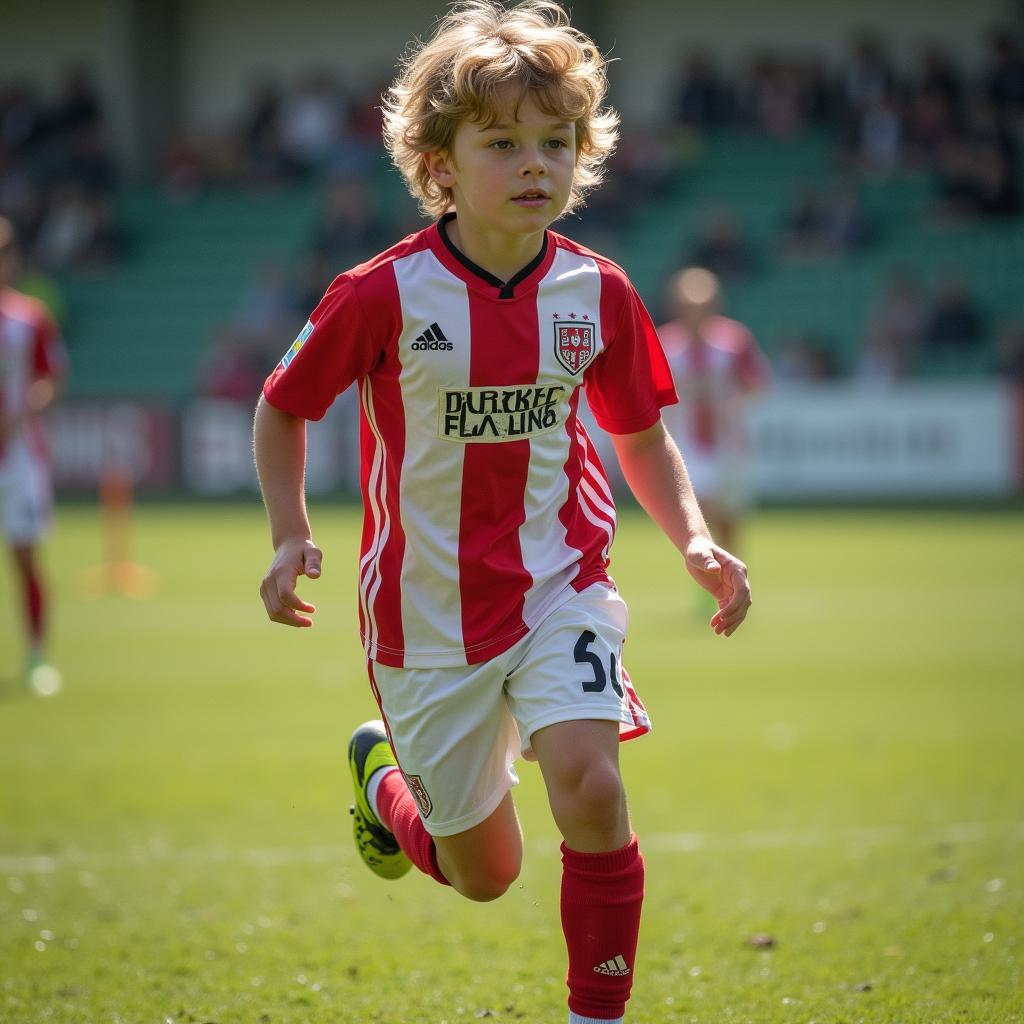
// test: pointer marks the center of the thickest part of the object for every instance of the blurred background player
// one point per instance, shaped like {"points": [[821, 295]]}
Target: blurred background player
{"points": [[717, 366], [32, 369]]}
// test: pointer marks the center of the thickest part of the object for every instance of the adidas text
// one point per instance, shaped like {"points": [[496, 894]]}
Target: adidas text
{"points": [[616, 968], [432, 346]]}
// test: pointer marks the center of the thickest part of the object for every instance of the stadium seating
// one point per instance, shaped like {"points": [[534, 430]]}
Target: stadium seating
{"points": [[143, 327], [757, 178]]}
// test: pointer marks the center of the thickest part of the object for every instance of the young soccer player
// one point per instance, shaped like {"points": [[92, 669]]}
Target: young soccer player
{"points": [[32, 368], [490, 623], [717, 365]]}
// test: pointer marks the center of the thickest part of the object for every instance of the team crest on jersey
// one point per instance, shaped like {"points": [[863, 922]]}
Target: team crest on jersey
{"points": [[419, 792], [574, 344], [297, 344]]}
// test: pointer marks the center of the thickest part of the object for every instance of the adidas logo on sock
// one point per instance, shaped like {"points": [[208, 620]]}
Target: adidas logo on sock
{"points": [[433, 340], [615, 968]]}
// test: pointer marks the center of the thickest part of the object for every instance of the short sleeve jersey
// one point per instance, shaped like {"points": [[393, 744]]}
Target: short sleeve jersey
{"points": [[485, 503], [30, 349]]}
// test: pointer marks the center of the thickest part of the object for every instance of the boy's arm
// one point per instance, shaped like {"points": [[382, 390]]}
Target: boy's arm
{"points": [[279, 444], [657, 476]]}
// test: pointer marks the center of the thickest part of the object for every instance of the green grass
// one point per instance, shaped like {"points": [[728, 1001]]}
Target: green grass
{"points": [[845, 774]]}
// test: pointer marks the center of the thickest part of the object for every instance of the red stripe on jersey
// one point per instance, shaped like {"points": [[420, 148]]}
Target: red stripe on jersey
{"points": [[489, 547], [381, 430], [382, 442]]}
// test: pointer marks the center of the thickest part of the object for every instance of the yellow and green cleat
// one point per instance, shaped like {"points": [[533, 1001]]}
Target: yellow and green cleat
{"points": [[369, 750]]}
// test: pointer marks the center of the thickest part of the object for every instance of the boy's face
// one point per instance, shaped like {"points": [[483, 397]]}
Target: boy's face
{"points": [[513, 176]]}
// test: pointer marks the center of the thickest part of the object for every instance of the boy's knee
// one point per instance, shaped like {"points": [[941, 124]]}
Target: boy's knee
{"points": [[599, 790], [483, 883], [590, 794]]}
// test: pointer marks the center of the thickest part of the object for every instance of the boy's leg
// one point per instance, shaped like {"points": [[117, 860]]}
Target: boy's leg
{"points": [[33, 597], [602, 869], [480, 863], [454, 742]]}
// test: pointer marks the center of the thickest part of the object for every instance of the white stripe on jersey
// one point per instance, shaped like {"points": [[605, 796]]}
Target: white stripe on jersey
{"points": [[369, 565], [594, 487], [431, 481]]}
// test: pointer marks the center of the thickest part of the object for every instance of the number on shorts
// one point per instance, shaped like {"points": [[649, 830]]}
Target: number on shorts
{"points": [[584, 656]]}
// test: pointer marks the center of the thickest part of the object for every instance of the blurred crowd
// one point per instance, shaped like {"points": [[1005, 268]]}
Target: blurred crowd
{"points": [[57, 174], [58, 178], [962, 128]]}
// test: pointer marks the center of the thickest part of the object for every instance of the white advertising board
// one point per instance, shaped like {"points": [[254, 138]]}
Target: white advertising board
{"points": [[911, 442]]}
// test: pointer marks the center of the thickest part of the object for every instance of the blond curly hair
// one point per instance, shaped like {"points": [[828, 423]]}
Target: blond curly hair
{"points": [[478, 51]]}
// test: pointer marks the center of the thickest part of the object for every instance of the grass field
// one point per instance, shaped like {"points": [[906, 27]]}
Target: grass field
{"points": [[846, 774]]}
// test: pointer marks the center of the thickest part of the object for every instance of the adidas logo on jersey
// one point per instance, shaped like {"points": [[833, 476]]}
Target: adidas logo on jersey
{"points": [[432, 340], [615, 968]]}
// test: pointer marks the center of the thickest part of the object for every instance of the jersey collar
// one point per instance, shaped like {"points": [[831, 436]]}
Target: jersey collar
{"points": [[475, 275]]}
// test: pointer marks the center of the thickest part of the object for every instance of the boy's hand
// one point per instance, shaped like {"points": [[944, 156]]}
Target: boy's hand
{"points": [[291, 560], [724, 577]]}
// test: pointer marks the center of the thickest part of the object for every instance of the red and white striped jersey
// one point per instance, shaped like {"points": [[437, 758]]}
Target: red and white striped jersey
{"points": [[30, 349], [486, 505], [715, 375]]}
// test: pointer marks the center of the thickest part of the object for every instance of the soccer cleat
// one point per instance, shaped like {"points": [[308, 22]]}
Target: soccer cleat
{"points": [[369, 750]]}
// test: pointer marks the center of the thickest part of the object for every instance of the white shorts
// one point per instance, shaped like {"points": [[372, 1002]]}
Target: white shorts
{"points": [[457, 731], [26, 495]]}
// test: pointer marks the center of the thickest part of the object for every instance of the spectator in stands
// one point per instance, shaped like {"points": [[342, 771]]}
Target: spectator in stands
{"points": [[826, 225], [348, 231], [770, 97], [955, 321], [803, 221], [264, 158], [1005, 77], [79, 107], [869, 77], [814, 85], [22, 118], [897, 324], [955, 180], [929, 125], [996, 191], [933, 110], [880, 135], [701, 99], [937, 78], [20, 197], [312, 121], [183, 167], [976, 180], [361, 152], [720, 246], [87, 160], [68, 228]]}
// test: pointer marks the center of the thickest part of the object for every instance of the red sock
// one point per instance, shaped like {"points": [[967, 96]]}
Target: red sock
{"points": [[397, 810], [602, 894], [35, 608]]}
